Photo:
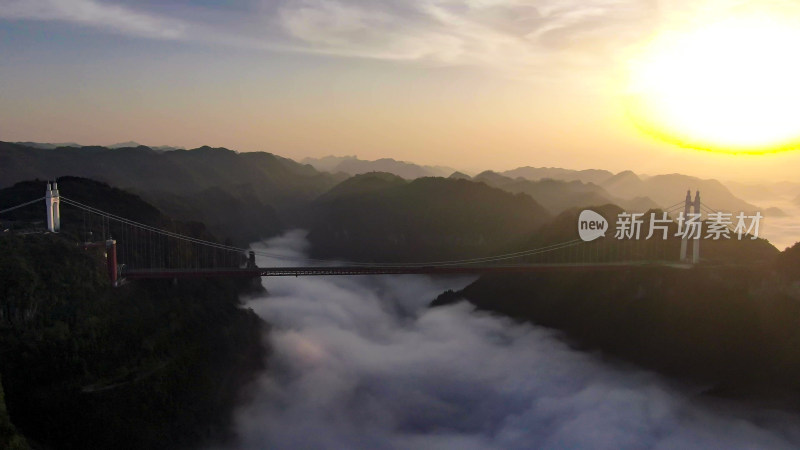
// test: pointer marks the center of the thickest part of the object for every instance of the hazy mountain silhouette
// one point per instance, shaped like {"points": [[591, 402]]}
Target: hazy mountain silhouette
{"points": [[775, 212], [766, 191], [460, 176], [537, 173], [753, 192], [327, 163], [666, 190], [625, 181], [560, 195], [46, 145], [353, 166], [629, 189], [160, 148]]}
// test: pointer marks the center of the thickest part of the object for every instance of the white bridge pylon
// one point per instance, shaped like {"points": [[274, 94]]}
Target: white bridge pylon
{"points": [[684, 241], [53, 204]]}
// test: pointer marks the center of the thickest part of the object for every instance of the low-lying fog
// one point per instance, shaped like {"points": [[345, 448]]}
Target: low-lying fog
{"points": [[360, 362], [782, 230]]}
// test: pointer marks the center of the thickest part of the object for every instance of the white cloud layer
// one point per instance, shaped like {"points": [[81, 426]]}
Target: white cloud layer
{"points": [[359, 362]]}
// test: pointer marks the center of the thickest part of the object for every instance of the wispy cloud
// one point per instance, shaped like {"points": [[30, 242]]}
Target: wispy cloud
{"points": [[92, 13], [508, 33], [512, 34]]}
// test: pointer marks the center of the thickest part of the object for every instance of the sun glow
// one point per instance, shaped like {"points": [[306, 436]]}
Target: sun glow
{"points": [[729, 86]]}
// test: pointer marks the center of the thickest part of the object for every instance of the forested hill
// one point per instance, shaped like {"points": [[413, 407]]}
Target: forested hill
{"points": [[381, 217], [145, 365]]}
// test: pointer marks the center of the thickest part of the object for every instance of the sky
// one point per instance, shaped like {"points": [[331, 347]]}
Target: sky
{"points": [[474, 84]]}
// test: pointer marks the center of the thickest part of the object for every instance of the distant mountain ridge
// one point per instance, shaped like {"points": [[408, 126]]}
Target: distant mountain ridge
{"points": [[159, 148], [669, 189], [459, 176], [559, 195], [538, 173], [627, 186], [50, 146], [352, 165]]}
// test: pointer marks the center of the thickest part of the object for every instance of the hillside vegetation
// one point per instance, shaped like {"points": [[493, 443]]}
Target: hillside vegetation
{"points": [[84, 365], [381, 217]]}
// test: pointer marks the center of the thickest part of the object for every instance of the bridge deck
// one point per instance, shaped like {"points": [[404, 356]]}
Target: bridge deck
{"points": [[383, 270]]}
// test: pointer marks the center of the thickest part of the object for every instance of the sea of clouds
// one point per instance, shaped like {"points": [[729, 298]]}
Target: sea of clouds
{"points": [[361, 362]]}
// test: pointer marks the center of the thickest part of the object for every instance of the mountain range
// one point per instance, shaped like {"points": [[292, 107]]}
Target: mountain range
{"points": [[253, 195], [627, 186], [583, 187]]}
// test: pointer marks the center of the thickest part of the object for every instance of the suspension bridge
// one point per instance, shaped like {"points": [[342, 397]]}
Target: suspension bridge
{"points": [[145, 251]]}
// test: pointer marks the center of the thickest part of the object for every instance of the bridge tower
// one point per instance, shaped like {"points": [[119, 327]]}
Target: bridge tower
{"points": [[251, 260], [691, 206], [696, 243], [52, 201], [686, 210]]}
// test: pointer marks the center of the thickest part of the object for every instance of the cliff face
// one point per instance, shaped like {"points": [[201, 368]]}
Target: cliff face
{"points": [[733, 328]]}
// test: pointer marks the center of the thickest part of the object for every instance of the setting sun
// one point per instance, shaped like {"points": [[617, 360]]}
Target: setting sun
{"points": [[729, 86]]}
